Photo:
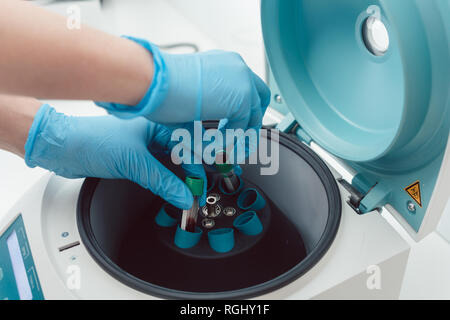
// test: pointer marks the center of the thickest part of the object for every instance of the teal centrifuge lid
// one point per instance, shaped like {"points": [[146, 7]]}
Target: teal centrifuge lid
{"points": [[382, 106]]}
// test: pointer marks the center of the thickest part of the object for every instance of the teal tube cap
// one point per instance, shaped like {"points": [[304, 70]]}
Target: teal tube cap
{"points": [[221, 240], [185, 239], [251, 199], [248, 223], [163, 218]]}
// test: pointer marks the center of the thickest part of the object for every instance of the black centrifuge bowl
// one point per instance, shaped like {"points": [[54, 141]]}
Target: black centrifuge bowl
{"points": [[115, 221]]}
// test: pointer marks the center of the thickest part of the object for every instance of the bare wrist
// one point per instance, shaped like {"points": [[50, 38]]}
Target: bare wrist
{"points": [[16, 117]]}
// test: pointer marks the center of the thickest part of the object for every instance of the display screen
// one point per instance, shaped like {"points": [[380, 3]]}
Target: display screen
{"points": [[18, 265], [18, 275]]}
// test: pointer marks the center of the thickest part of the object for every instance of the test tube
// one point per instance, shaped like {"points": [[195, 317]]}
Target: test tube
{"points": [[189, 217], [230, 179]]}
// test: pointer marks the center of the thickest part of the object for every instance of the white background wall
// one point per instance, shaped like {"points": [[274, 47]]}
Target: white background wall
{"points": [[229, 25]]}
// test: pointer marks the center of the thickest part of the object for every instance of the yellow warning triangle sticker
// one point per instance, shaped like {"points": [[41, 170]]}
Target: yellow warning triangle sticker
{"points": [[414, 191]]}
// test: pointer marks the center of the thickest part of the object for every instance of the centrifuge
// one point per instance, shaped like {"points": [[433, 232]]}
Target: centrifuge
{"points": [[361, 109]]}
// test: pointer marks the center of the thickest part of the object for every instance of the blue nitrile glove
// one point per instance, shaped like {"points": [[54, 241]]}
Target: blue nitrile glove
{"points": [[211, 85], [106, 147]]}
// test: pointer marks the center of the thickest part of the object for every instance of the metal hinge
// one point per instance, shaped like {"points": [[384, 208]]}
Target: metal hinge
{"points": [[290, 125], [364, 196], [355, 196]]}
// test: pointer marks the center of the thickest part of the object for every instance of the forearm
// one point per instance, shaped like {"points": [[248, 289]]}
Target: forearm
{"points": [[16, 117], [41, 57]]}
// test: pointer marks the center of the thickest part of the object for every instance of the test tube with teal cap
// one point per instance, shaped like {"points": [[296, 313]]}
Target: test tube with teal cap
{"points": [[189, 217]]}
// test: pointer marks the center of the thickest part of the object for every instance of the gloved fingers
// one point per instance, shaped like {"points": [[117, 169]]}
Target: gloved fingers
{"points": [[258, 108], [194, 142], [222, 127], [243, 147], [256, 115], [263, 91], [145, 170], [159, 136], [238, 122], [255, 124], [198, 171], [245, 141], [238, 115], [259, 101]]}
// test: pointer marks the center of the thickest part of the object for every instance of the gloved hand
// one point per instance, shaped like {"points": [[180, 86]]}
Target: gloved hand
{"points": [[212, 85], [107, 147]]}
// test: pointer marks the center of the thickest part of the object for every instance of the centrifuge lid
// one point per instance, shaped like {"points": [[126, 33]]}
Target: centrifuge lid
{"points": [[366, 80]]}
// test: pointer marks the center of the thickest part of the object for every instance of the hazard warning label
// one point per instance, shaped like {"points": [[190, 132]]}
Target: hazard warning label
{"points": [[414, 191]]}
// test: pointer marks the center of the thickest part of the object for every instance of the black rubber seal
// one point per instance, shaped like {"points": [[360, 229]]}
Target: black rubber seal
{"points": [[329, 234]]}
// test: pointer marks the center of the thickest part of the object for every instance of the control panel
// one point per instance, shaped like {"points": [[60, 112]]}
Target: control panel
{"points": [[18, 275]]}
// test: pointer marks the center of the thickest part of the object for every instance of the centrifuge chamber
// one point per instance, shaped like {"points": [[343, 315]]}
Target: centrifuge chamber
{"points": [[116, 224]]}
